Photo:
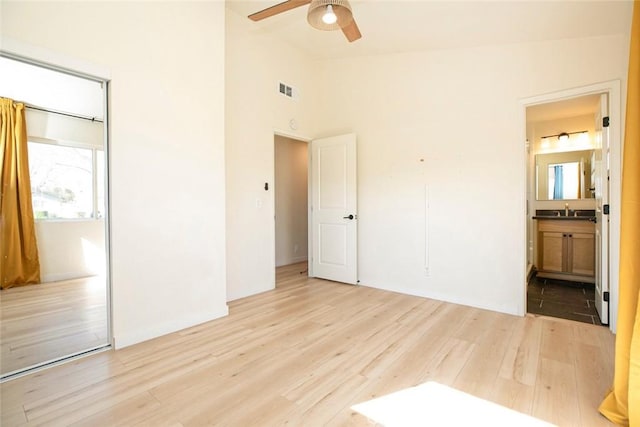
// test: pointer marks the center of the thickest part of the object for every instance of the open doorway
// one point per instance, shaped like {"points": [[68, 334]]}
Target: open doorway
{"points": [[573, 167], [291, 203]]}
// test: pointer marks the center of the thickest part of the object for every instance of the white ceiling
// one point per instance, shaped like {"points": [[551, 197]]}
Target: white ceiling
{"points": [[391, 26]]}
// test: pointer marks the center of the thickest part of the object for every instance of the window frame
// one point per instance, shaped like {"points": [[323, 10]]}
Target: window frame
{"points": [[95, 214]]}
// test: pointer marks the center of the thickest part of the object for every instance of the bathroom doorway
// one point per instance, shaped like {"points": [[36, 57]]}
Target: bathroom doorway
{"points": [[569, 228]]}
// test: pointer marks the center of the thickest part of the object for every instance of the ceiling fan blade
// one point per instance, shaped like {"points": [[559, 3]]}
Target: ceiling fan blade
{"points": [[278, 8], [351, 31]]}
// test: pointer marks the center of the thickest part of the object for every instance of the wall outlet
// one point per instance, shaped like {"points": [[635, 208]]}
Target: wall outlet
{"points": [[296, 248]]}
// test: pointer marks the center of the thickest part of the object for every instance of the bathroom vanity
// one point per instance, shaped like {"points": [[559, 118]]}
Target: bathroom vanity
{"points": [[566, 246]]}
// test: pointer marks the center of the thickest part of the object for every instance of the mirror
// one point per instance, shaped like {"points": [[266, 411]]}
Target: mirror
{"points": [[564, 176], [63, 310]]}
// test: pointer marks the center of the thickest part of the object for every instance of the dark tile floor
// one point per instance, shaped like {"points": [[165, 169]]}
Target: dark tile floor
{"points": [[559, 298]]}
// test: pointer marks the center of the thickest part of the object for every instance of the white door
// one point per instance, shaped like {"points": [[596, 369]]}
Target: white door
{"points": [[601, 184], [334, 209]]}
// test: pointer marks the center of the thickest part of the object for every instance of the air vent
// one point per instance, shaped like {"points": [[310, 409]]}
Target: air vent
{"points": [[288, 91]]}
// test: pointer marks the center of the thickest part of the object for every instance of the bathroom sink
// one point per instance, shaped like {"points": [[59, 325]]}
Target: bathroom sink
{"points": [[577, 215]]}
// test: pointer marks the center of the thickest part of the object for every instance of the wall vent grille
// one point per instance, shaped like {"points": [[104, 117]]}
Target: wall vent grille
{"points": [[288, 91]]}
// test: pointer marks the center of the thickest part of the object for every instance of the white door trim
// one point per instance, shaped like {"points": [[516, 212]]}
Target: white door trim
{"points": [[612, 88], [291, 135]]}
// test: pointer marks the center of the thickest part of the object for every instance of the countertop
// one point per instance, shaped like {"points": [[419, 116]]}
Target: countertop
{"points": [[566, 218], [583, 215]]}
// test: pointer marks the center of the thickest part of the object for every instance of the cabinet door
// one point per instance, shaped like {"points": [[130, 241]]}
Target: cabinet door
{"points": [[552, 251], [582, 253]]}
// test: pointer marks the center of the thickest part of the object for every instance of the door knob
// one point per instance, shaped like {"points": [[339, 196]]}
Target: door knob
{"points": [[348, 217]]}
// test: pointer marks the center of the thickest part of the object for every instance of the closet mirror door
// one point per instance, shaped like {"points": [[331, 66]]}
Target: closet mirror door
{"points": [[64, 312]]}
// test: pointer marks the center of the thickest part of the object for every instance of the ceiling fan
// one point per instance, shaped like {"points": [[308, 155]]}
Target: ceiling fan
{"points": [[324, 15]]}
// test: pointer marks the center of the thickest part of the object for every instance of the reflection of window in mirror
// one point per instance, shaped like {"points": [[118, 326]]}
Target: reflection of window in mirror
{"points": [[564, 181], [67, 182], [545, 175]]}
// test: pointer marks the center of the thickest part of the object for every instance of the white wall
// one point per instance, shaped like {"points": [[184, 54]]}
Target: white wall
{"points": [[255, 63], [458, 110], [291, 204], [166, 65], [70, 249]]}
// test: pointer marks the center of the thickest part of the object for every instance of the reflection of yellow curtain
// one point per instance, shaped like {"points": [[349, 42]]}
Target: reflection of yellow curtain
{"points": [[19, 263], [622, 405]]}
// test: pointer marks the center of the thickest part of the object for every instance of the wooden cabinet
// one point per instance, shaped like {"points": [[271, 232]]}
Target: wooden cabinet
{"points": [[581, 253], [552, 248], [566, 250]]}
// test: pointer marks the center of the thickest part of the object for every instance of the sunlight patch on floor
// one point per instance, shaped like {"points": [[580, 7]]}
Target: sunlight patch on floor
{"points": [[435, 404]]}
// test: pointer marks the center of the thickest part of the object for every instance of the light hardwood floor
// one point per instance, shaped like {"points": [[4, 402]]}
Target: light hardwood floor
{"points": [[51, 320], [305, 352]]}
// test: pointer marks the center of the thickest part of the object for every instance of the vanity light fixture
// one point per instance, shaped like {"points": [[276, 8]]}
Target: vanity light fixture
{"points": [[564, 136]]}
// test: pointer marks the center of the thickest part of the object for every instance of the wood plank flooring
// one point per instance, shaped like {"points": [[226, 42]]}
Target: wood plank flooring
{"points": [[305, 352], [51, 320]]}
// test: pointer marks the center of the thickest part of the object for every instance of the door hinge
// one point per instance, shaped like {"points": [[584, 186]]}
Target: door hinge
{"points": [[605, 209], [605, 296], [605, 122]]}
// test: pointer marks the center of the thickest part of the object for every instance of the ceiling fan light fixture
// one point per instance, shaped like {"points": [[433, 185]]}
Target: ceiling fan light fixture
{"points": [[329, 17], [319, 10]]}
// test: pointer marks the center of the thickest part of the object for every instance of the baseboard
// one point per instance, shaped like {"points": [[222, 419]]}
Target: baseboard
{"points": [[290, 261], [531, 270], [565, 276], [58, 277], [126, 339], [438, 296]]}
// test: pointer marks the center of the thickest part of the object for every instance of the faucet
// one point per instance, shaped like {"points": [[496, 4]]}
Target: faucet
{"points": [[566, 209]]}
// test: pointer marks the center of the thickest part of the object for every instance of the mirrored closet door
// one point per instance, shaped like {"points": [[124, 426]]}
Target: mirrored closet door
{"points": [[55, 304]]}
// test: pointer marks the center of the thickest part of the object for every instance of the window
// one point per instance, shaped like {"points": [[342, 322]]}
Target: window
{"points": [[62, 181], [564, 181]]}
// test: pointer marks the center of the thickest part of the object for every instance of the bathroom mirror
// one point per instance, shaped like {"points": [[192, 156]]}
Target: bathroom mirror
{"points": [[564, 176]]}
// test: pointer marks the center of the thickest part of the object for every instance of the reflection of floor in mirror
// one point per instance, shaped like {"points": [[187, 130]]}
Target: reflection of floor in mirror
{"points": [[51, 320]]}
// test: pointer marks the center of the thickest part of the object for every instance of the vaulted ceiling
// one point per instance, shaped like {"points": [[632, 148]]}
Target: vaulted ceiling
{"points": [[393, 26]]}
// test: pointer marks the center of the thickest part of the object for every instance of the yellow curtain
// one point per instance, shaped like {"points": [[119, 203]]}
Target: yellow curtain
{"points": [[19, 261], [622, 405]]}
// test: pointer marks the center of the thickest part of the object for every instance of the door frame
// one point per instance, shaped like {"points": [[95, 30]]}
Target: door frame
{"points": [[612, 88], [65, 65]]}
